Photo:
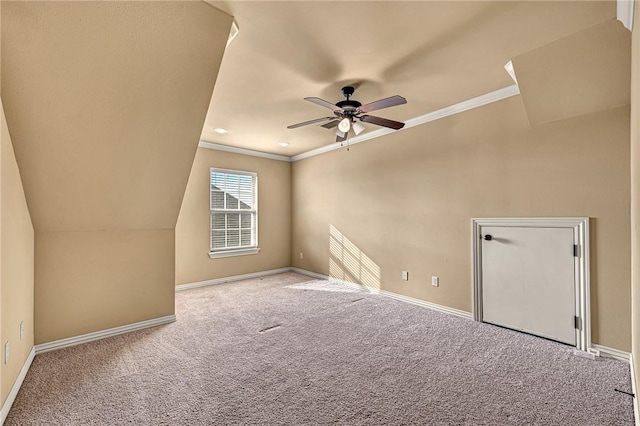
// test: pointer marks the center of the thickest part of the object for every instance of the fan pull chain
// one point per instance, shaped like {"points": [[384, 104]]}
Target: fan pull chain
{"points": [[342, 143]]}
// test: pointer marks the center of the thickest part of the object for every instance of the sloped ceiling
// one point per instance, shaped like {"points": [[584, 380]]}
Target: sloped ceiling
{"points": [[105, 103], [433, 53], [586, 72]]}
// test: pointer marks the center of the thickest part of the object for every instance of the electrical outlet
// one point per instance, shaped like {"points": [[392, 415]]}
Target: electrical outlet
{"points": [[7, 348], [405, 275], [21, 330], [435, 281], [301, 255]]}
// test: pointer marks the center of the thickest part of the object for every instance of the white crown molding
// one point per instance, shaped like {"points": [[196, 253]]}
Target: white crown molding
{"points": [[487, 98], [625, 13], [478, 101], [215, 281], [243, 151], [6, 407], [102, 334], [508, 67], [233, 32]]}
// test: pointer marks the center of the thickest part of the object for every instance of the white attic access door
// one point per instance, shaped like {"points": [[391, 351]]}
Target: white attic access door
{"points": [[532, 275]]}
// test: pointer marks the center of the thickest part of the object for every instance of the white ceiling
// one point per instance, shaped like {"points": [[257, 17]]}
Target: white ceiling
{"points": [[435, 54]]}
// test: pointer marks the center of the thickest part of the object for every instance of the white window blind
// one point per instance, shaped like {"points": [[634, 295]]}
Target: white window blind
{"points": [[234, 213]]}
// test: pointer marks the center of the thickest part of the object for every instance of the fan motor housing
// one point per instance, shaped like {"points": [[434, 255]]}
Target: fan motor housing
{"points": [[350, 110], [349, 104]]}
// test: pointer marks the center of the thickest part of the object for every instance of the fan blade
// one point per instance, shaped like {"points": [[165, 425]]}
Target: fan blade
{"points": [[305, 123], [383, 103], [323, 103], [340, 138], [395, 125], [331, 124]]}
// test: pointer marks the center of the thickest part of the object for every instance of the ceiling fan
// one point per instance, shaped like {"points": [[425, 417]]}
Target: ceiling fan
{"points": [[346, 112]]}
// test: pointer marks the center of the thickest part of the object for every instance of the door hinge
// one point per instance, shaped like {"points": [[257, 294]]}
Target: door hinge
{"points": [[576, 322], [576, 252]]}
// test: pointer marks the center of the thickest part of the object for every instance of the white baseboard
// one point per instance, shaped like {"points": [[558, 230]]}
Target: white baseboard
{"points": [[215, 281], [611, 352], [16, 386], [434, 306], [636, 410], [97, 335], [310, 274], [423, 303]]}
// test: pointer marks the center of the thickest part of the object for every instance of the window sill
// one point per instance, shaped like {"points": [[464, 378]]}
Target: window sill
{"points": [[230, 253]]}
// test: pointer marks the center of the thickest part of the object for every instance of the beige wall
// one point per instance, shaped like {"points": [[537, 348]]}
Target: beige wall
{"points": [[635, 191], [274, 215], [88, 281], [404, 202], [106, 102], [16, 279]]}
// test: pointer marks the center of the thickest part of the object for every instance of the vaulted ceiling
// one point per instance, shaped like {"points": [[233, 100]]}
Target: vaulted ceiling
{"points": [[105, 102], [435, 54]]}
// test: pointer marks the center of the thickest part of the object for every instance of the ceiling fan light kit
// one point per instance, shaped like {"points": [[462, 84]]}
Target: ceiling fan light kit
{"points": [[357, 128], [347, 111], [345, 125]]}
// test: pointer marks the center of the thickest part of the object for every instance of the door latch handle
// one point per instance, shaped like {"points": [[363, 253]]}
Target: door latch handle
{"points": [[488, 237]]}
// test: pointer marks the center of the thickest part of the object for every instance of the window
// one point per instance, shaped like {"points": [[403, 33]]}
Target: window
{"points": [[234, 213]]}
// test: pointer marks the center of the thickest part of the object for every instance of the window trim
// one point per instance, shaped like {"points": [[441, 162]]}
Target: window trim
{"points": [[234, 252], [239, 251]]}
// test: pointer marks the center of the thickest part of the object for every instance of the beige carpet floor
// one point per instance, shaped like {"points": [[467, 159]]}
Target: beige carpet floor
{"points": [[279, 351]]}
